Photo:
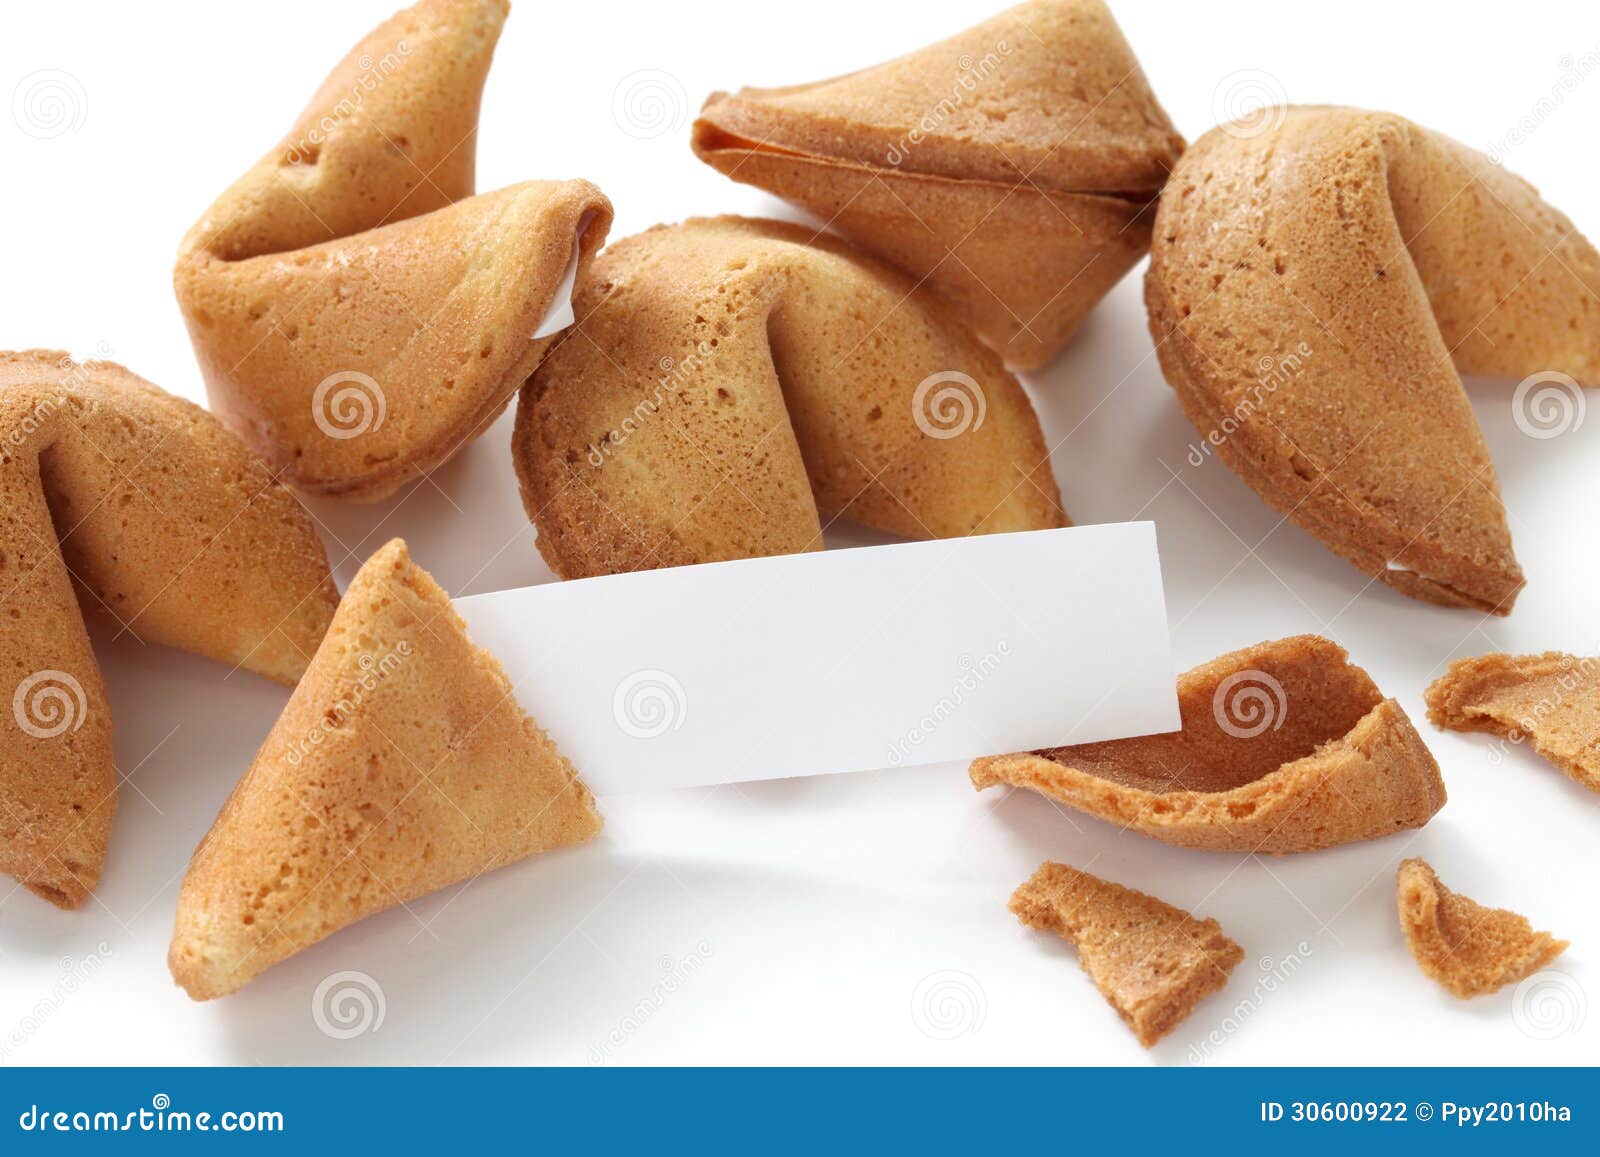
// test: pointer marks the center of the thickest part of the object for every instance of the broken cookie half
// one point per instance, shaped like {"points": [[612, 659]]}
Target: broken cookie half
{"points": [[1285, 746], [1469, 949], [1013, 167], [358, 314], [402, 764], [1152, 962], [1552, 700]]}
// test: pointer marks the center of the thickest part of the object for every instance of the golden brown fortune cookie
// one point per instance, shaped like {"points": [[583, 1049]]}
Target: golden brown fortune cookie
{"points": [[733, 385], [1014, 167], [1320, 279], [402, 764], [358, 314], [118, 499]]}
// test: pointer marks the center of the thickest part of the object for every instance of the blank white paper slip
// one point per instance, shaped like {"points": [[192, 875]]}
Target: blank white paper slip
{"points": [[842, 660]]}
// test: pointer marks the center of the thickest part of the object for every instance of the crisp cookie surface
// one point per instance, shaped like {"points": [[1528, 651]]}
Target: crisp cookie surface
{"points": [[1152, 962], [359, 315], [1469, 949], [402, 764], [733, 384], [1316, 289], [1285, 746], [1013, 167], [121, 501], [1551, 700]]}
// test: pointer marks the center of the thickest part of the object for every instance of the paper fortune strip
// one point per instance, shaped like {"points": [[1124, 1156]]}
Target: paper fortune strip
{"points": [[842, 660]]}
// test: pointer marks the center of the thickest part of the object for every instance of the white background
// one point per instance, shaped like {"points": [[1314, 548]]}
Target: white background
{"points": [[801, 921]]}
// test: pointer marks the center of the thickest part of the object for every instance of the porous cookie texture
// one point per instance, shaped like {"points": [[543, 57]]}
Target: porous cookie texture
{"points": [[1285, 746], [1318, 282], [732, 385], [1014, 167], [358, 314], [122, 502], [1551, 700], [1467, 948], [1152, 962], [402, 764]]}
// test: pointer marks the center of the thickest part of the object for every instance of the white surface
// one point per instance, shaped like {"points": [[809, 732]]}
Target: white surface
{"points": [[844, 660], [801, 920]]}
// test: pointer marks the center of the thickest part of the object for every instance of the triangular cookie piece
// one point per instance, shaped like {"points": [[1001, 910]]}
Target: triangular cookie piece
{"points": [[1552, 699], [402, 764], [1469, 949], [1012, 166], [1152, 962], [358, 315]]}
